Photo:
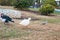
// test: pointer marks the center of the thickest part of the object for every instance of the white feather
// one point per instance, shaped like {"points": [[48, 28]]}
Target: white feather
{"points": [[3, 20]]}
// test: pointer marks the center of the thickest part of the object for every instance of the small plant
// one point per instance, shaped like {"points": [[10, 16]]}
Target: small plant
{"points": [[46, 9], [52, 2], [22, 4]]}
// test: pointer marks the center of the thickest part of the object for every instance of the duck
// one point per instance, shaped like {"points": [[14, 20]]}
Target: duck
{"points": [[5, 18], [25, 22]]}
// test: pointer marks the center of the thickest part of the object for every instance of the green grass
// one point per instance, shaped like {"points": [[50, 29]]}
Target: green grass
{"points": [[34, 9], [52, 20], [57, 13], [12, 32]]}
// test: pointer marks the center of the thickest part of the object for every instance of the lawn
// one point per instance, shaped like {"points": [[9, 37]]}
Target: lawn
{"points": [[57, 13], [41, 32], [7, 32], [34, 31], [34, 9]]}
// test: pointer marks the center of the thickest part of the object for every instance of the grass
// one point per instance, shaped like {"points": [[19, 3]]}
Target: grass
{"points": [[51, 20], [57, 13], [48, 19], [34, 9], [12, 32]]}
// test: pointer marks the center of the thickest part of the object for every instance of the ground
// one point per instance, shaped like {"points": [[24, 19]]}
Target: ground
{"points": [[34, 31]]}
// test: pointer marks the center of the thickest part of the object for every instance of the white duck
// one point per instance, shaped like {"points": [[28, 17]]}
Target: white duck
{"points": [[25, 22]]}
